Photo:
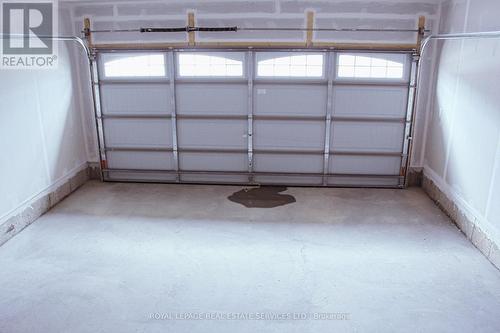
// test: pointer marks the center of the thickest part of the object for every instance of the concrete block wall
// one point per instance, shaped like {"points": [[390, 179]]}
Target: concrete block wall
{"points": [[259, 13], [466, 221]]}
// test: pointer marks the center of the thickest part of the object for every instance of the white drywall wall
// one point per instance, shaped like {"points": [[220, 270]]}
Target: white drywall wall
{"points": [[462, 153], [258, 13], [41, 132]]}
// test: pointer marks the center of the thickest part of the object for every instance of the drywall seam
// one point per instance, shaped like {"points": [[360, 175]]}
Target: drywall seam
{"points": [[455, 90], [466, 16], [42, 132], [44, 192], [453, 115]]}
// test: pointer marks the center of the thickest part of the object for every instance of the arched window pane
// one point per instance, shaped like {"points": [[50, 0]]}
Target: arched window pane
{"points": [[278, 65], [145, 65], [211, 65], [373, 66]]}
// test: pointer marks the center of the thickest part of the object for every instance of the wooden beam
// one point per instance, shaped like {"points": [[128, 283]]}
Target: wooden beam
{"points": [[191, 34], [141, 46], [421, 32], [310, 26], [86, 29], [259, 45], [250, 45], [365, 46]]}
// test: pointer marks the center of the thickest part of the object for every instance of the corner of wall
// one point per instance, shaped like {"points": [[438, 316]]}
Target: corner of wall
{"points": [[467, 222], [44, 201], [415, 177]]}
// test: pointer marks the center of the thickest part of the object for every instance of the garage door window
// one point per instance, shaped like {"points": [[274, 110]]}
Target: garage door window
{"points": [[134, 65], [210, 64], [371, 66], [286, 65]]}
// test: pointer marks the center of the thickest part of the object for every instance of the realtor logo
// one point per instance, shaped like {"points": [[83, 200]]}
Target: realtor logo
{"points": [[25, 26]]}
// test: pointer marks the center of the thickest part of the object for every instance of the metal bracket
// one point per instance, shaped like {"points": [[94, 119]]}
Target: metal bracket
{"points": [[92, 56]]}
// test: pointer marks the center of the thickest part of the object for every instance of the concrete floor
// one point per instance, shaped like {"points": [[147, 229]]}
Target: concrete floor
{"points": [[131, 257]]}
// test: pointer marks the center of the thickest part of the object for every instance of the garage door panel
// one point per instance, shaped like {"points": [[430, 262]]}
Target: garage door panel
{"points": [[367, 136], [214, 178], [290, 99], [212, 98], [370, 101], [155, 133], [286, 134], [299, 163], [364, 181], [136, 99], [366, 165], [290, 102], [140, 160], [291, 180], [213, 134], [140, 176], [213, 162]]}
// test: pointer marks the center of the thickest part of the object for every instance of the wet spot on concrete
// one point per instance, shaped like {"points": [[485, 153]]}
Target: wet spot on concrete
{"points": [[262, 197]]}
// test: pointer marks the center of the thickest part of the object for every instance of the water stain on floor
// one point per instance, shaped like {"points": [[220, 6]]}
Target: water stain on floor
{"points": [[262, 197]]}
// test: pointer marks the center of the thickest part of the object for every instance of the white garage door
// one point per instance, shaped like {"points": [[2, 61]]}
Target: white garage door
{"points": [[255, 117]]}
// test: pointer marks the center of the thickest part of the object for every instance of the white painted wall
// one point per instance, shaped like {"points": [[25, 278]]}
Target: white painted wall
{"points": [[462, 151], [257, 13], [41, 132]]}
